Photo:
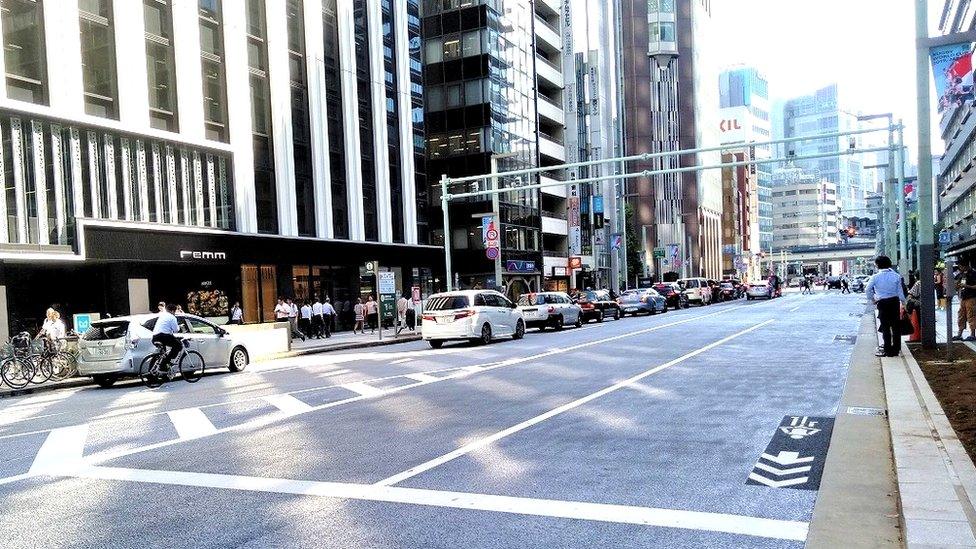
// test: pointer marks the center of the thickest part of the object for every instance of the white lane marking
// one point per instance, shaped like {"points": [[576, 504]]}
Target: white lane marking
{"points": [[62, 449], [468, 448], [423, 378], [363, 389], [191, 423], [600, 512], [401, 361], [782, 472], [288, 404], [795, 309], [777, 483], [272, 418]]}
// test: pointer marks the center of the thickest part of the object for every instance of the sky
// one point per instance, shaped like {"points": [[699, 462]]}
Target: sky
{"points": [[866, 46]]}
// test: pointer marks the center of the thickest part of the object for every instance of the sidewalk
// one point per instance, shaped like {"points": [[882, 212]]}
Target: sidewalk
{"points": [[338, 342]]}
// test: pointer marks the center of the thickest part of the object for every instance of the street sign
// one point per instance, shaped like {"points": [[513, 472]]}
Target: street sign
{"points": [[520, 266], [387, 282], [491, 253], [492, 233], [370, 266], [616, 239], [945, 237], [83, 321], [659, 252], [795, 456], [575, 262]]}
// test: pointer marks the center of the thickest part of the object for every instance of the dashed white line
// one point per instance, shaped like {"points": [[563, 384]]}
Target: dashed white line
{"points": [[191, 423], [401, 361], [423, 378], [288, 404], [363, 389], [62, 448]]}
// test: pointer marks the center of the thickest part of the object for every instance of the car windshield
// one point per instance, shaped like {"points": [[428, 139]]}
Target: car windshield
{"points": [[594, 296], [106, 330], [534, 299], [727, 285], [447, 303]]}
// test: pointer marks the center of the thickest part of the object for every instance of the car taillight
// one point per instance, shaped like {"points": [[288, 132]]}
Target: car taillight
{"points": [[552, 309], [463, 314], [586, 305], [428, 317]]}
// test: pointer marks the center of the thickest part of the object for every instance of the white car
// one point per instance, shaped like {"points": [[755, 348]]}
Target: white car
{"points": [[474, 315], [760, 289], [113, 348], [549, 309], [697, 290]]}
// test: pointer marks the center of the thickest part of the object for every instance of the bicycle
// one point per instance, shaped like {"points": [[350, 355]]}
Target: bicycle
{"points": [[55, 359], [188, 362], [23, 366]]}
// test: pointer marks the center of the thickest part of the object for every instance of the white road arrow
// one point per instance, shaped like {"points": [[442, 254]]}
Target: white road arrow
{"points": [[781, 472], [787, 458], [777, 483]]}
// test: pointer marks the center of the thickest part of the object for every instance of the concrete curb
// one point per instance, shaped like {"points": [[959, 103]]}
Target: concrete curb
{"points": [[85, 381], [936, 478]]}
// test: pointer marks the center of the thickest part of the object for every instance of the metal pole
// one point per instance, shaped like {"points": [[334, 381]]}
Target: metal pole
{"points": [[644, 249], [496, 212], [926, 251], [900, 197], [448, 271], [889, 198]]}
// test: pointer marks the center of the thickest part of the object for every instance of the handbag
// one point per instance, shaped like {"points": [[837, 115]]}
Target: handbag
{"points": [[905, 324]]}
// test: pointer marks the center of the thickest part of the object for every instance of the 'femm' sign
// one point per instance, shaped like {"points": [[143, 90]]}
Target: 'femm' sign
{"points": [[202, 255]]}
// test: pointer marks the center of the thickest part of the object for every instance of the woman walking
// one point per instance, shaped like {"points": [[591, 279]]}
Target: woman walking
{"points": [[940, 290], [371, 313], [360, 311]]}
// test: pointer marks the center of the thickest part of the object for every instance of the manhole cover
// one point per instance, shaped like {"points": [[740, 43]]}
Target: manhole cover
{"points": [[846, 338], [865, 411]]}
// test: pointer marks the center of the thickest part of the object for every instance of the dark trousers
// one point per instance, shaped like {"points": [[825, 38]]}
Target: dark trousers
{"points": [[305, 326], [889, 315], [327, 325], [316, 326], [171, 343]]}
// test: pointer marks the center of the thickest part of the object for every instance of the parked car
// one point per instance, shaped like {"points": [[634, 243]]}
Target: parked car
{"points": [[834, 282], [113, 348], [478, 316], [673, 294], [643, 300], [549, 310], [697, 290], [859, 282], [728, 292], [597, 305], [759, 289]]}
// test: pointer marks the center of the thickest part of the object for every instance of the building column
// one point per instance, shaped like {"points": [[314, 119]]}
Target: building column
{"points": [[350, 120], [139, 296], [407, 169], [381, 138], [318, 119], [239, 103], [63, 33], [189, 75], [279, 81], [130, 60]]}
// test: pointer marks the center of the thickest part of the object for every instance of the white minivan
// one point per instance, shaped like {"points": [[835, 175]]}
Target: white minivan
{"points": [[474, 315], [697, 290]]}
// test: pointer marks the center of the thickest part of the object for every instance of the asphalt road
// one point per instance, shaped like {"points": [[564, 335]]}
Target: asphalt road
{"points": [[636, 433]]}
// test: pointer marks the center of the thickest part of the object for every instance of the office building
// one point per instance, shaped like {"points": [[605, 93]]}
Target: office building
{"points": [[822, 112], [667, 105], [494, 102], [203, 152], [806, 209]]}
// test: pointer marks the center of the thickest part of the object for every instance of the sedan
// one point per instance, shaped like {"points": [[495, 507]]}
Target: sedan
{"points": [[646, 301], [549, 309], [760, 289], [114, 348], [597, 305], [673, 294]]}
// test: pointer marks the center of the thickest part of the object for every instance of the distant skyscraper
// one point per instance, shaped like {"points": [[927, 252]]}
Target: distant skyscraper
{"points": [[745, 115], [824, 112]]}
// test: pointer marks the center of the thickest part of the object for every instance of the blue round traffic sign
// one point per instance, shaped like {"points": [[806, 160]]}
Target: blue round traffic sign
{"points": [[491, 253]]}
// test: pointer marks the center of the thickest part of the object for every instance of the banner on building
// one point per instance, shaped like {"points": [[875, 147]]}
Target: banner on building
{"points": [[952, 67], [573, 214]]}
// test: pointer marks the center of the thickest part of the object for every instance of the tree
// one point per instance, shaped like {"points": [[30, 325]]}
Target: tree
{"points": [[635, 262]]}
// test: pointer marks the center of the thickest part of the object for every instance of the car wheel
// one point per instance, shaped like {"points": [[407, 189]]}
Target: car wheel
{"points": [[559, 323], [485, 338], [616, 314], [520, 330], [435, 343], [579, 321], [104, 381], [238, 359], [665, 309], [599, 316]]}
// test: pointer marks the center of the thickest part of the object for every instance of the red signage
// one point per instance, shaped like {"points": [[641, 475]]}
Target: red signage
{"points": [[575, 262]]}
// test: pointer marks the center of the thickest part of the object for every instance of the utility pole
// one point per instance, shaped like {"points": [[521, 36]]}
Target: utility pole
{"points": [[926, 251], [904, 263]]}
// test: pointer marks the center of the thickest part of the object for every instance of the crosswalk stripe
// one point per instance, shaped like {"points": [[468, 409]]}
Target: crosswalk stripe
{"points": [[61, 448], [422, 377], [363, 389], [287, 404], [191, 423]]}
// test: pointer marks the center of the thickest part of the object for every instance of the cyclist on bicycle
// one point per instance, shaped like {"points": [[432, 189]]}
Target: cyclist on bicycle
{"points": [[53, 329], [166, 326]]}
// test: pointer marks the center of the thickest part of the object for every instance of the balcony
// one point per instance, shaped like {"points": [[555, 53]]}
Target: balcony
{"points": [[552, 147], [551, 6], [549, 110], [554, 225], [548, 71], [547, 35], [554, 190]]}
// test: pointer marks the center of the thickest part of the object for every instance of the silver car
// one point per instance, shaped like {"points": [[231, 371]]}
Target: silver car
{"points": [[113, 348], [549, 310]]}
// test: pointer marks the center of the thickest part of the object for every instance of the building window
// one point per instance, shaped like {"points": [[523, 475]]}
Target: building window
{"points": [[265, 186], [212, 62], [23, 45], [361, 32], [98, 58], [333, 101], [160, 65], [301, 138]]}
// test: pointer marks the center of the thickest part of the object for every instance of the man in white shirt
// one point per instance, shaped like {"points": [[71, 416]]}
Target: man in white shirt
{"points": [[293, 319], [402, 305], [328, 316], [166, 326], [305, 319], [885, 290], [317, 320]]}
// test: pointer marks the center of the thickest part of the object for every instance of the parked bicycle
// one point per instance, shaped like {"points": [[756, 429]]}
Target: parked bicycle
{"points": [[188, 363], [23, 366]]}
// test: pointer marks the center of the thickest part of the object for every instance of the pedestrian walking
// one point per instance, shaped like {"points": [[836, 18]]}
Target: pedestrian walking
{"points": [[305, 319], [360, 311], [403, 304], [281, 311], [845, 285], [940, 289], [236, 314], [318, 321], [806, 286], [967, 301], [328, 317], [886, 290], [293, 319], [372, 313]]}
